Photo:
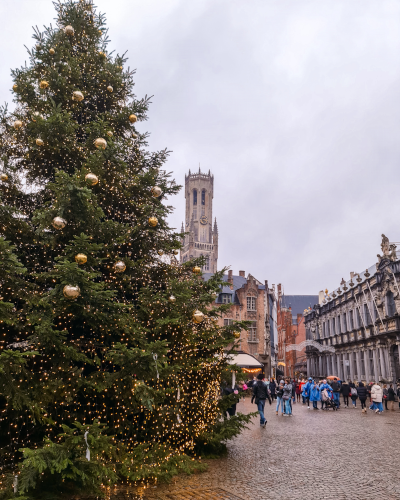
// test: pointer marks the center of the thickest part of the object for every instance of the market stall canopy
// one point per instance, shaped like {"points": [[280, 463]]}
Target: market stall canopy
{"points": [[244, 360]]}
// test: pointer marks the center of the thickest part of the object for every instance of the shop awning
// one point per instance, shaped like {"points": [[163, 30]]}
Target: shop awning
{"points": [[244, 360]]}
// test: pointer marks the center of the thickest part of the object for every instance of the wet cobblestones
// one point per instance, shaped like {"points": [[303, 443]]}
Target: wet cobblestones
{"points": [[314, 454]]}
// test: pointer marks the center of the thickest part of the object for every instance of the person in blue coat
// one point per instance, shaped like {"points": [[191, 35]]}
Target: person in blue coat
{"points": [[307, 390], [315, 396], [326, 386]]}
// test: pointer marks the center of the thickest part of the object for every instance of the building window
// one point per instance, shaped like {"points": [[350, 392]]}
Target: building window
{"points": [[376, 315], [367, 315], [359, 320], [226, 298], [344, 322], [203, 197], [390, 304], [323, 329], [333, 326], [206, 266], [251, 303], [339, 330], [327, 329], [194, 196], [228, 322], [351, 318], [252, 333]]}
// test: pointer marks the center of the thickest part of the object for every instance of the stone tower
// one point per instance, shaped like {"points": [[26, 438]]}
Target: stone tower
{"points": [[202, 239]]}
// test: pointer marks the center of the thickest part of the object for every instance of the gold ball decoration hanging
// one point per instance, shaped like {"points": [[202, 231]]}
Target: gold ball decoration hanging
{"points": [[91, 179], [153, 221], [69, 30], [236, 335], [119, 267], [36, 115], [102, 53], [196, 270], [59, 223], [198, 317], [160, 252], [39, 142], [110, 89], [43, 84], [17, 124], [100, 143], [172, 299], [81, 258], [110, 133], [71, 292], [156, 191], [175, 252], [4, 177], [15, 87], [133, 118], [77, 96], [52, 51]]}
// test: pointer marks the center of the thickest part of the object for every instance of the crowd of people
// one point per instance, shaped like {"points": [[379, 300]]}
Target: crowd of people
{"points": [[310, 392]]}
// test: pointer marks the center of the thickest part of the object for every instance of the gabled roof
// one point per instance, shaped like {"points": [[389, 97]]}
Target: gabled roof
{"points": [[238, 282]]}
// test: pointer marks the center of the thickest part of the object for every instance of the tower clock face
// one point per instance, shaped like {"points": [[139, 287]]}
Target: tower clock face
{"points": [[203, 220]]}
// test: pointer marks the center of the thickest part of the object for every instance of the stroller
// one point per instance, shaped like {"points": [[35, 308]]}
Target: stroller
{"points": [[329, 403]]}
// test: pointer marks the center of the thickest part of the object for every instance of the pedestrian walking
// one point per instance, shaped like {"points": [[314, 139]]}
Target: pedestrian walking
{"points": [[345, 390], [377, 396], [272, 389], [307, 389], [353, 394], [324, 385], [391, 395], [336, 392], [385, 395], [260, 394], [287, 396], [279, 400], [315, 396], [298, 391], [362, 394]]}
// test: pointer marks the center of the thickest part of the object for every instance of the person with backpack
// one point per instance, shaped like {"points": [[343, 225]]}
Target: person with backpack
{"points": [[298, 391], [345, 390], [315, 396], [336, 392], [377, 396], [362, 394], [260, 394], [307, 390], [287, 396], [353, 394]]}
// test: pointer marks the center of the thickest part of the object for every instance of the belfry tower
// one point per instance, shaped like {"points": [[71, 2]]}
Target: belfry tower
{"points": [[202, 239]]}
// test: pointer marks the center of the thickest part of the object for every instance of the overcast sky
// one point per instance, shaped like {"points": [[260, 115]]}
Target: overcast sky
{"points": [[294, 106]]}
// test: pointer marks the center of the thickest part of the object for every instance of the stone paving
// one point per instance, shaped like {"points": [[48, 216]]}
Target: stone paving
{"points": [[313, 455]]}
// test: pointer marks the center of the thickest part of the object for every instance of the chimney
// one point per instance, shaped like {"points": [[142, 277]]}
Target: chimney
{"points": [[279, 290], [242, 274], [230, 276], [321, 296]]}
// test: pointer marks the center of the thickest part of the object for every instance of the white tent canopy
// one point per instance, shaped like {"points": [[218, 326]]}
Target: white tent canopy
{"points": [[244, 360]]}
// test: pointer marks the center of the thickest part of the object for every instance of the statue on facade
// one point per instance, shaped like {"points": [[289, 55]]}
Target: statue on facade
{"points": [[388, 250]]}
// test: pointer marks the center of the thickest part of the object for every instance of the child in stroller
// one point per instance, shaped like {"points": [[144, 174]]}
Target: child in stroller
{"points": [[328, 401]]}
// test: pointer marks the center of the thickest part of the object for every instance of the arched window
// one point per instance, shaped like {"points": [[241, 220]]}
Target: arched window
{"points": [[390, 305], [203, 197], [194, 196]]}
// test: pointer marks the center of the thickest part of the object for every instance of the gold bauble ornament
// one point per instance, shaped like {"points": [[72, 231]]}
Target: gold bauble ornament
{"points": [[15, 87], [17, 124], [175, 252], [156, 191], [59, 223], [109, 88], [119, 267], [110, 134], [39, 142], [77, 96], [153, 221], [81, 258], [52, 52], [133, 118], [172, 299], [36, 115], [4, 177], [100, 143], [71, 292], [91, 179], [160, 252], [102, 53], [134, 136], [43, 84], [196, 270], [198, 316], [69, 30], [236, 335]]}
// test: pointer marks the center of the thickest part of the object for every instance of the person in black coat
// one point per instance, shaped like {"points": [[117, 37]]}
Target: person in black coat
{"points": [[362, 394], [391, 395], [272, 389], [345, 390], [260, 394]]}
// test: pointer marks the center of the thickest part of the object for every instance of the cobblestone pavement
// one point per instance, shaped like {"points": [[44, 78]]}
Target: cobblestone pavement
{"points": [[345, 454]]}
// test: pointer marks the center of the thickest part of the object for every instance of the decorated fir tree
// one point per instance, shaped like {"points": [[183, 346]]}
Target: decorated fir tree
{"points": [[110, 359]]}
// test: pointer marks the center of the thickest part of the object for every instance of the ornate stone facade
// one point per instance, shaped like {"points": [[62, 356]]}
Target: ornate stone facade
{"points": [[361, 320], [202, 239]]}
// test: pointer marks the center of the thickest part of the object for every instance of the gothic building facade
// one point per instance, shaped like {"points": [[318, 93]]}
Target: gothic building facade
{"points": [[202, 238], [354, 332]]}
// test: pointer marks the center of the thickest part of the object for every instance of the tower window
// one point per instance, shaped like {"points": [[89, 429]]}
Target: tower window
{"points": [[252, 332], [203, 197], [194, 196]]}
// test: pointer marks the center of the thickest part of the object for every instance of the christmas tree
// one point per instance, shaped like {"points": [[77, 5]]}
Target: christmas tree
{"points": [[111, 358]]}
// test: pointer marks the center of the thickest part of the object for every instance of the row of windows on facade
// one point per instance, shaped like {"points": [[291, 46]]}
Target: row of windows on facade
{"points": [[347, 322], [351, 358], [203, 197], [251, 333], [226, 298]]}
